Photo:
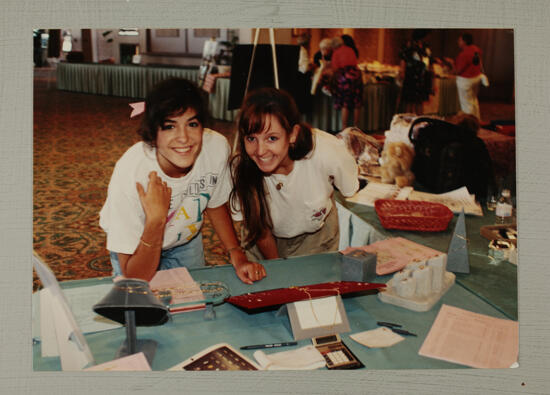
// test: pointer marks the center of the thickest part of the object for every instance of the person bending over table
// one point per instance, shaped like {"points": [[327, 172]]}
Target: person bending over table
{"points": [[162, 185], [284, 174]]}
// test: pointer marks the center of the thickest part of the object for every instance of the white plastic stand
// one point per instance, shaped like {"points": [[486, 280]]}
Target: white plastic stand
{"points": [[419, 285]]}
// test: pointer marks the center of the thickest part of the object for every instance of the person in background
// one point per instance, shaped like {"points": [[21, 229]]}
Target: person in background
{"points": [[415, 73], [324, 53], [348, 81], [322, 73], [162, 186], [303, 60], [284, 175], [467, 67], [348, 40]]}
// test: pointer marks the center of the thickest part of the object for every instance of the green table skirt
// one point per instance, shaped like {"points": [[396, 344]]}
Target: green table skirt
{"points": [[379, 99], [116, 80]]}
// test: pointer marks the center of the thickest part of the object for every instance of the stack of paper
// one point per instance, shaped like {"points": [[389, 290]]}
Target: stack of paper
{"points": [[134, 362], [376, 190], [472, 339], [377, 338], [455, 200], [182, 288]]}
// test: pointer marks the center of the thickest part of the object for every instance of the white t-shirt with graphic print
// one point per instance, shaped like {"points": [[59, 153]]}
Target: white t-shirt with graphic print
{"points": [[303, 201], [208, 184]]}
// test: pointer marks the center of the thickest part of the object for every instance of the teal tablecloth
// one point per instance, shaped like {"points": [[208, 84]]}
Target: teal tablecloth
{"points": [[189, 333], [495, 282]]}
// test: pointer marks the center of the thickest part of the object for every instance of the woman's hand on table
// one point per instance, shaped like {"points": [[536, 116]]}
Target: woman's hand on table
{"points": [[247, 271]]}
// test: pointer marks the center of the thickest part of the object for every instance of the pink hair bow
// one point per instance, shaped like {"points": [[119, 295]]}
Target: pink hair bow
{"points": [[137, 108]]}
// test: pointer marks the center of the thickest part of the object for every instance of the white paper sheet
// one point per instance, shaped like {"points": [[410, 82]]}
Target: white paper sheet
{"points": [[73, 348], [134, 362], [73, 351], [81, 301], [315, 313], [376, 190], [304, 358], [47, 325], [377, 338], [455, 200], [472, 339]]}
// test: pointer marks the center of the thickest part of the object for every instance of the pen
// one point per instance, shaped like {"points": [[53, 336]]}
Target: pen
{"points": [[257, 346], [389, 324], [402, 332]]}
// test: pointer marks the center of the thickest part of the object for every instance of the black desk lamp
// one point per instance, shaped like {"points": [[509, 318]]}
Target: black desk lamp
{"points": [[131, 303]]}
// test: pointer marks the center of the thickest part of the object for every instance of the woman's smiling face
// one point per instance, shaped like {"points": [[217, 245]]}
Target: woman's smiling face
{"points": [[179, 142], [269, 148]]}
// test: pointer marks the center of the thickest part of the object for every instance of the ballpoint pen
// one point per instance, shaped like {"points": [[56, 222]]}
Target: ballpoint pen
{"points": [[402, 332], [389, 324], [272, 345]]}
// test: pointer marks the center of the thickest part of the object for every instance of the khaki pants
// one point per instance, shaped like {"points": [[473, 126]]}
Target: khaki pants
{"points": [[325, 239], [468, 88]]}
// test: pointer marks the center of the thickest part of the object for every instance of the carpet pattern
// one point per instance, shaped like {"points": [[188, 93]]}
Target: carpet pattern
{"points": [[77, 140]]}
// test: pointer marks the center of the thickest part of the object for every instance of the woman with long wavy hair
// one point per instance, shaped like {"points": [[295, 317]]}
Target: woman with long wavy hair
{"points": [[284, 175]]}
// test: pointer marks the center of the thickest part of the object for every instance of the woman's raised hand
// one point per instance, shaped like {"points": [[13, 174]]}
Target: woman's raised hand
{"points": [[156, 199]]}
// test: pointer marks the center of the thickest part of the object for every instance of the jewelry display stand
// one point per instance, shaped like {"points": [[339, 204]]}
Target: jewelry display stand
{"points": [[316, 317], [419, 285]]}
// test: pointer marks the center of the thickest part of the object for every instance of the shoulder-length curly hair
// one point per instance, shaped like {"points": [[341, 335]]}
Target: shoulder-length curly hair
{"points": [[170, 97], [249, 191]]}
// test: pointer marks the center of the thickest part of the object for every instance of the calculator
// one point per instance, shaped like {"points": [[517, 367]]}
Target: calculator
{"points": [[336, 353]]}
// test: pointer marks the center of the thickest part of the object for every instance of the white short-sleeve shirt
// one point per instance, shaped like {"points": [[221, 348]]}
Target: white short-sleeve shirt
{"points": [[208, 184], [303, 199]]}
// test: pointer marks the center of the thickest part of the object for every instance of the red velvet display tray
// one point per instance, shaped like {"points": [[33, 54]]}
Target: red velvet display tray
{"points": [[280, 296]]}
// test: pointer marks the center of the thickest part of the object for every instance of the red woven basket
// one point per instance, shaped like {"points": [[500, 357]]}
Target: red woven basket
{"points": [[412, 215]]}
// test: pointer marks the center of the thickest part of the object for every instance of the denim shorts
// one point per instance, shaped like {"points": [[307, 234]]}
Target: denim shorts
{"points": [[190, 255]]}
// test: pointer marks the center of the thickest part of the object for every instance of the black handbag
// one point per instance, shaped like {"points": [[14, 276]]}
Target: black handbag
{"points": [[448, 157]]}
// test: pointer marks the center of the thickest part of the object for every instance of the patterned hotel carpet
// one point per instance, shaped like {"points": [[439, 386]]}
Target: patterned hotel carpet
{"points": [[77, 140]]}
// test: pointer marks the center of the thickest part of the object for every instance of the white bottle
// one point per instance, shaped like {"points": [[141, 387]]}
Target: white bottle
{"points": [[504, 208]]}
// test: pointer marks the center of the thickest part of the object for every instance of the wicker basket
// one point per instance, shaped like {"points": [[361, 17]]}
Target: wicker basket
{"points": [[413, 215]]}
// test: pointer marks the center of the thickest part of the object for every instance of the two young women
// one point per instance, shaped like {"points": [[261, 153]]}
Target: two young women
{"points": [[283, 180]]}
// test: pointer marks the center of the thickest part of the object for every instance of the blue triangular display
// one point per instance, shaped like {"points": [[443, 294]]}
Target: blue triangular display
{"points": [[457, 255]]}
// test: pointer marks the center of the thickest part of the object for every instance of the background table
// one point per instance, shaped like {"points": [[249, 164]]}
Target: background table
{"points": [[380, 104], [134, 81], [117, 80], [188, 333]]}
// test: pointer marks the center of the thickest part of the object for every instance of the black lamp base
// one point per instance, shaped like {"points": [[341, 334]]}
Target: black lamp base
{"points": [[146, 346]]}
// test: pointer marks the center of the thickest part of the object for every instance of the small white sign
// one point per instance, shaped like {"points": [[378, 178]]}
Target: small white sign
{"points": [[315, 313]]}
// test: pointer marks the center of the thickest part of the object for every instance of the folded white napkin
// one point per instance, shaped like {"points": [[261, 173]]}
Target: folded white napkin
{"points": [[305, 358], [380, 337]]}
